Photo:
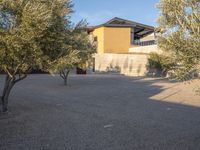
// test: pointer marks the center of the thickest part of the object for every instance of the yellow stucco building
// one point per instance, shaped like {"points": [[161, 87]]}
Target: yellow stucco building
{"points": [[123, 46], [119, 35]]}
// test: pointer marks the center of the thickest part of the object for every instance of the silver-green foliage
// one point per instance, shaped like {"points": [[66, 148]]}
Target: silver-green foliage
{"points": [[179, 25], [161, 62], [77, 50], [31, 35]]}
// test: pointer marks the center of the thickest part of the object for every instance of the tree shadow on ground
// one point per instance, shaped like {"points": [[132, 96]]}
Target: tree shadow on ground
{"points": [[108, 112]]}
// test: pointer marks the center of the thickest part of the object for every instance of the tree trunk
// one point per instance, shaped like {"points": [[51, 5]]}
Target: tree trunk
{"points": [[5, 98], [64, 75], [65, 81], [9, 83]]}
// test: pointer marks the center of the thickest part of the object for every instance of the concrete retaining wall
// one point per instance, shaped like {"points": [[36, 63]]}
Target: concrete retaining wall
{"points": [[128, 64], [131, 64]]}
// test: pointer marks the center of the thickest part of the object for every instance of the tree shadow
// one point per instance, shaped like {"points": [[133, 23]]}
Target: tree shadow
{"points": [[139, 121]]}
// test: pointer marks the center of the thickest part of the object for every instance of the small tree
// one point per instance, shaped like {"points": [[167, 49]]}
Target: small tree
{"points": [[31, 33], [82, 42], [65, 64], [78, 49], [179, 25]]}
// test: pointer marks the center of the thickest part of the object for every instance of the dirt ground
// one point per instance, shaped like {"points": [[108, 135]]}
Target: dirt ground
{"points": [[101, 112]]}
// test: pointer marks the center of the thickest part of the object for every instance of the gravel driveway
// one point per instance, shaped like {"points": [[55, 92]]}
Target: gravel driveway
{"points": [[100, 112]]}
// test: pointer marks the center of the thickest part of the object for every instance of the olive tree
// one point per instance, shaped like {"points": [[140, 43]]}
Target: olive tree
{"points": [[65, 64], [179, 25], [31, 33], [77, 50]]}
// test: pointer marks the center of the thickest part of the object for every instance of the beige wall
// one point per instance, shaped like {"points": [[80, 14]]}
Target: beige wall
{"points": [[145, 49], [127, 64], [132, 64], [148, 38]]}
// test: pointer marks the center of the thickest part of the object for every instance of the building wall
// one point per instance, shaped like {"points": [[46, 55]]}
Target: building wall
{"points": [[127, 64], [112, 39], [145, 49], [133, 64], [116, 54], [116, 39], [99, 33], [148, 38]]}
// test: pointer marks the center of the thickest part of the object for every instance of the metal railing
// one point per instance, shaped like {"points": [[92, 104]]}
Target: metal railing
{"points": [[145, 43]]}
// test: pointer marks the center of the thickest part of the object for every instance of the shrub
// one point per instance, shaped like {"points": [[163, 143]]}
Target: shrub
{"points": [[160, 64]]}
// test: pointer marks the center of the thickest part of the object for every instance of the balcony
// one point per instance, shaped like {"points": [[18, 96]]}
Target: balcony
{"points": [[145, 43]]}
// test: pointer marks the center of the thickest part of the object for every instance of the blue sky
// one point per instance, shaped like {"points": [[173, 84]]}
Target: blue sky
{"points": [[99, 11]]}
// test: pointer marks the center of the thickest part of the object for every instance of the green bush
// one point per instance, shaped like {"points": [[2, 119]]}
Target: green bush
{"points": [[160, 63]]}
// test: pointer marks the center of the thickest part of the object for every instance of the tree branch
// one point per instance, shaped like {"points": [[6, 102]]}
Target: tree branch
{"points": [[20, 78], [7, 71], [61, 75]]}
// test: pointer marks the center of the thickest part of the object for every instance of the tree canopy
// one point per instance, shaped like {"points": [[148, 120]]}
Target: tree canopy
{"points": [[78, 50], [179, 25], [31, 35]]}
